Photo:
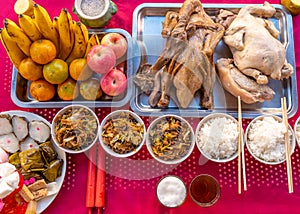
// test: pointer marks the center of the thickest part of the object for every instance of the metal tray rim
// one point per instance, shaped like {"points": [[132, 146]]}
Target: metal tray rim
{"points": [[58, 104], [196, 113]]}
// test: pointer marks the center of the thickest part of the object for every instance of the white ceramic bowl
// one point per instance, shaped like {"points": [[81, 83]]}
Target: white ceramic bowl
{"points": [[216, 150], [297, 130], [115, 114], [149, 142], [171, 191], [62, 112], [271, 130]]}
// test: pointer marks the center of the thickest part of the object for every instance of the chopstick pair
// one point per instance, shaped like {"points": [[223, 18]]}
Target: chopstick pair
{"points": [[241, 154], [287, 146], [95, 192]]}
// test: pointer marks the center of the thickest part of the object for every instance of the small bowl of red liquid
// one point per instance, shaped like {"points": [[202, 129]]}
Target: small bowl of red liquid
{"points": [[205, 190]]}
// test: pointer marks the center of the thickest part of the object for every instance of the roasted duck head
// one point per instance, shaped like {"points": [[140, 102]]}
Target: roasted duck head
{"points": [[186, 64]]}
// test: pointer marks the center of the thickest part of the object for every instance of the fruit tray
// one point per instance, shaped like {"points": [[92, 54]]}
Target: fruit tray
{"points": [[20, 87], [146, 31]]}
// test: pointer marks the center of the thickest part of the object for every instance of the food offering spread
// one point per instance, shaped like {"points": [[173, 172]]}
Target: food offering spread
{"points": [[26, 145], [204, 57]]}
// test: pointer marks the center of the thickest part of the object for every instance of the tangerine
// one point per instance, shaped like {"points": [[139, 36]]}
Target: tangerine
{"points": [[30, 70], [90, 89], [56, 71], [42, 90], [79, 70], [68, 90], [42, 51]]}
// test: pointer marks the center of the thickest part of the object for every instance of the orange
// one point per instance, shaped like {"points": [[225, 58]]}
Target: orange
{"points": [[56, 72], [41, 90], [42, 51], [79, 70], [90, 89], [68, 90], [30, 70]]}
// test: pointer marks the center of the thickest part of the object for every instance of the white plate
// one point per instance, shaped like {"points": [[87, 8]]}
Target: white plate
{"points": [[44, 203]]}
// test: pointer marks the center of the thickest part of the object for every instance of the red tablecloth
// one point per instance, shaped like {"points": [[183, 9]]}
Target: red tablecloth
{"points": [[130, 183]]}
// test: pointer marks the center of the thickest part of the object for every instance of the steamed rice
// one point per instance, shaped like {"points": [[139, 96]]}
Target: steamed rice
{"points": [[218, 138], [265, 139], [297, 130]]}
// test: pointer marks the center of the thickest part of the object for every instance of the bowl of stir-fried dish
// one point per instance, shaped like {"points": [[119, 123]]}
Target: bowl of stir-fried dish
{"points": [[170, 139], [75, 128], [122, 133]]}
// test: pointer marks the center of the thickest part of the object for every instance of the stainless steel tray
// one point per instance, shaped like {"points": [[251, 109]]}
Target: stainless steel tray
{"points": [[20, 94], [146, 31]]}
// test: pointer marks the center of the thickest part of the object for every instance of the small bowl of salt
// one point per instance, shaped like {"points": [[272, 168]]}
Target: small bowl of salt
{"points": [[94, 13], [171, 191]]}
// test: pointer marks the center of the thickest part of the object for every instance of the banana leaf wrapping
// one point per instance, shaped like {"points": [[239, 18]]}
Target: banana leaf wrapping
{"points": [[15, 160], [31, 160], [53, 170], [27, 175], [48, 152], [41, 163]]}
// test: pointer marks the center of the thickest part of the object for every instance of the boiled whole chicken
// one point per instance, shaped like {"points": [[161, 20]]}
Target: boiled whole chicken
{"points": [[252, 39]]}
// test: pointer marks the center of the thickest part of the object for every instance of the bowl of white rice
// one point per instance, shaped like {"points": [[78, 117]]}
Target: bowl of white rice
{"points": [[265, 139], [297, 130], [217, 137]]}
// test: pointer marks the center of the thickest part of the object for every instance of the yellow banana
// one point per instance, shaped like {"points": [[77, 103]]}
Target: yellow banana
{"points": [[72, 26], [18, 35], [85, 32], [94, 40], [65, 34], [55, 23], [79, 46], [45, 25], [29, 27], [14, 53]]}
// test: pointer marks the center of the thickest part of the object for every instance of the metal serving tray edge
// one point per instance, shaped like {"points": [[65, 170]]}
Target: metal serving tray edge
{"points": [[20, 94], [146, 29]]}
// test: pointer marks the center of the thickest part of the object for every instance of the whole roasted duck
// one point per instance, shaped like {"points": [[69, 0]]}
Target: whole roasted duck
{"points": [[186, 64]]}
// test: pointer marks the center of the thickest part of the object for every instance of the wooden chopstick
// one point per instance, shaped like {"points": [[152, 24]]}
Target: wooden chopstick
{"points": [[287, 146], [241, 160], [243, 164], [239, 148]]}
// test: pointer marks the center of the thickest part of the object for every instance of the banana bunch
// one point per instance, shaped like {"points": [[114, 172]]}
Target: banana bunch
{"points": [[70, 38]]}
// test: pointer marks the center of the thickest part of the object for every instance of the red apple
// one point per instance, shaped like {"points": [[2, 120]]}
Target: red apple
{"points": [[113, 83], [117, 42], [101, 59]]}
